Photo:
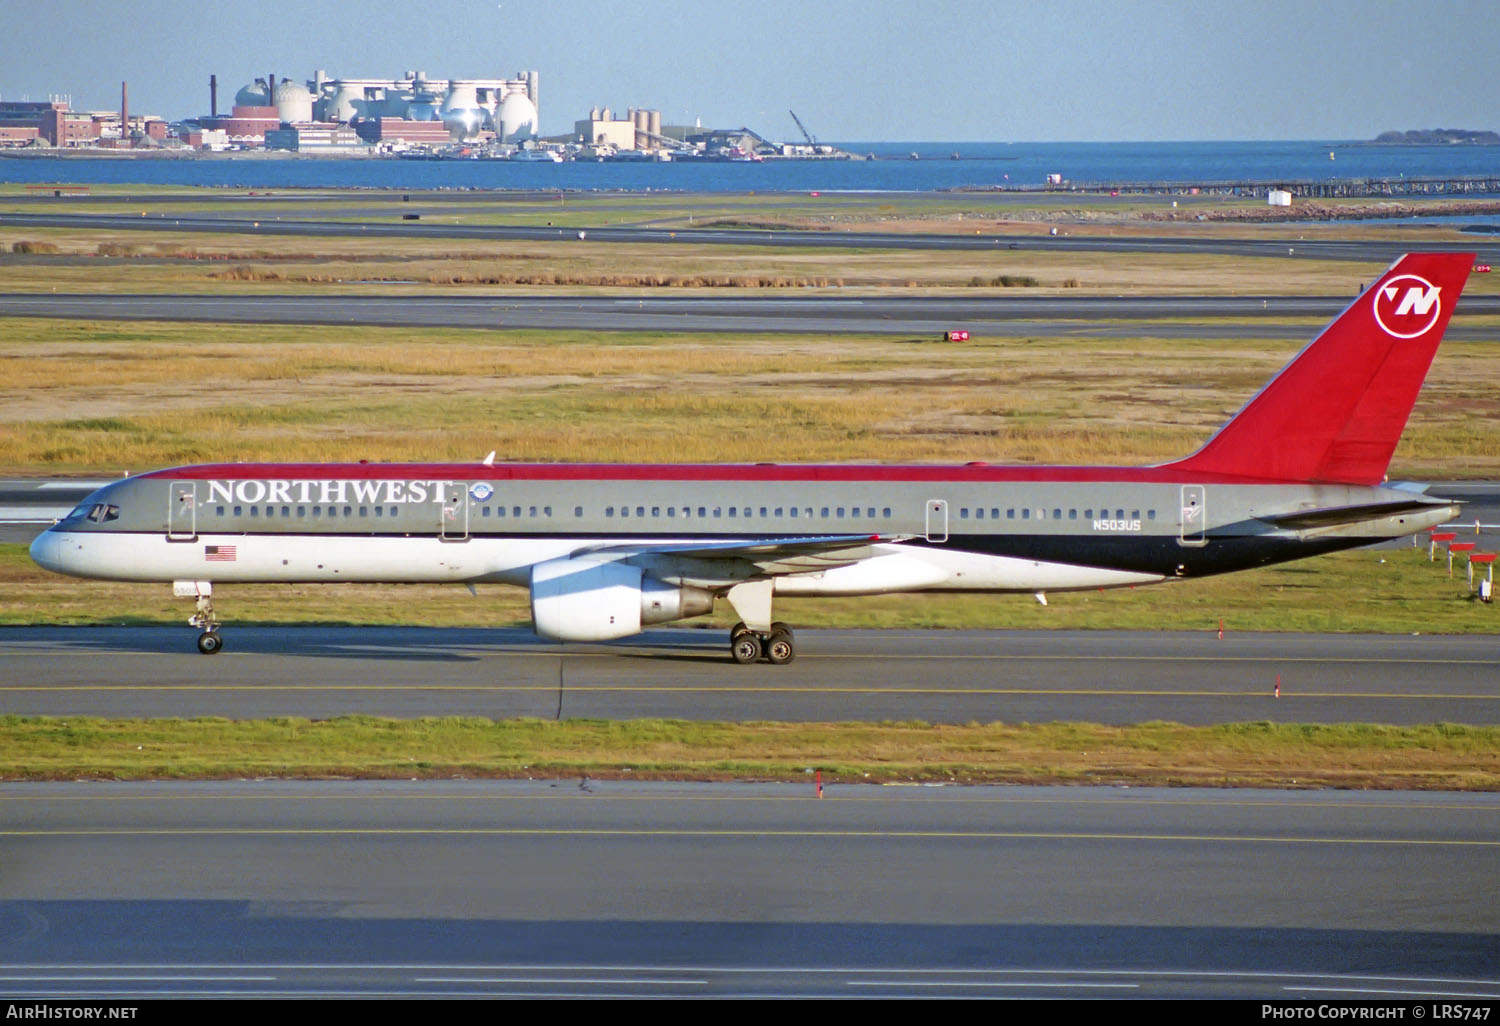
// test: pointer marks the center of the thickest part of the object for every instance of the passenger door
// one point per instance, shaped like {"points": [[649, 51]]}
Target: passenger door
{"points": [[182, 512]]}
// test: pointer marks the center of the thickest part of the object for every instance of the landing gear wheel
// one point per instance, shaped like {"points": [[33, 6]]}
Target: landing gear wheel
{"points": [[209, 642], [780, 648], [737, 630], [745, 648], [783, 628]]}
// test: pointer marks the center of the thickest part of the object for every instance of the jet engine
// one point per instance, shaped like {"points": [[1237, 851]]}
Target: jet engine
{"points": [[584, 600]]}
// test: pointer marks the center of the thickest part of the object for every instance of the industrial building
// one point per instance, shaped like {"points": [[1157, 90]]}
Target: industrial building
{"points": [[410, 109], [24, 123], [638, 130]]}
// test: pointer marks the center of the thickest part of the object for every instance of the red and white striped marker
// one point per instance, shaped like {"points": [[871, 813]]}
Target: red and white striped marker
{"points": [[1278, 685]]}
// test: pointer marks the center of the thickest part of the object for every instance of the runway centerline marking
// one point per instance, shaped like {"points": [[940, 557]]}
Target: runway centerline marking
{"points": [[886, 835]]}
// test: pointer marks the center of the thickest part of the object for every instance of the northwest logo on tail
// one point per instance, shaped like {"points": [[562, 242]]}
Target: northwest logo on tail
{"points": [[1407, 306]]}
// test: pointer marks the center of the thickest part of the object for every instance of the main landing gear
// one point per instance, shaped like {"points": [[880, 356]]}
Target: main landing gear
{"points": [[777, 646]]}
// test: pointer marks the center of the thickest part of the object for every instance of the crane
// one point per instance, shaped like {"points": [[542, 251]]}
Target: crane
{"points": [[806, 134]]}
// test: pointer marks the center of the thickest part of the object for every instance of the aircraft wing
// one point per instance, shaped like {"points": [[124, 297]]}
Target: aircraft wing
{"points": [[774, 556]]}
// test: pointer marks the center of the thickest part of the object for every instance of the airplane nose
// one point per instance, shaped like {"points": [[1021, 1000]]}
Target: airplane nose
{"points": [[46, 551]]}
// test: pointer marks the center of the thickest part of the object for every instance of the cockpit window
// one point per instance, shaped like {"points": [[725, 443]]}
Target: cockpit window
{"points": [[102, 513], [78, 511]]}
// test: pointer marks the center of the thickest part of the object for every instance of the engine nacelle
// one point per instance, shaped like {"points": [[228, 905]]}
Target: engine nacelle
{"points": [[583, 600]]}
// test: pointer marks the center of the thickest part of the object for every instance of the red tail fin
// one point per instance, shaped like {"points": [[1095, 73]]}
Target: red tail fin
{"points": [[1337, 410]]}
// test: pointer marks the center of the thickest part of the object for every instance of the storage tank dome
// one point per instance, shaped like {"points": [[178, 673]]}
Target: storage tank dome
{"points": [[293, 102], [343, 105], [462, 114], [517, 119], [253, 95]]}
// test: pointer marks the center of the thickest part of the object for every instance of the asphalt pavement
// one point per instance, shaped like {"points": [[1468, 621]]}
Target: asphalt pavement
{"points": [[960, 676], [1381, 252], [614, 889]]}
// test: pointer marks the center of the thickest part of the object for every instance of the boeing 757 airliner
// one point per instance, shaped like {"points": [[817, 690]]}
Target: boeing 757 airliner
{"points": [[607, 549]]}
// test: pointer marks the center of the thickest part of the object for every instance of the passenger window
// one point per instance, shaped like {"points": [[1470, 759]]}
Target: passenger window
{"points": [[238, 511], [1025, 514], [994, 513], [609, 511], [1150, 514], [779, 511], [218, 511], [763, 511], [703, 511], [286, 511], [854, 512], [887, 512], [672, 512], [841, 512], [546, 511], [483, 513], [578, 511], [317, 512], [302, 511], [1088, 514], [333, 511], [794, 511], [718, 512], [532, 511], [1119, 514], [1135, 514], [255, 511], [348, 511], [824, 514], [395, 510], [380, 511], [963, 513], [656, 511], [1010, 514], [979, 513], [1072, 514], [640, 511], [1057, 514], [733, 512]]}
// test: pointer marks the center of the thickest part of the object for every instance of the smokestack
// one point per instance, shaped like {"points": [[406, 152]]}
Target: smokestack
{"points": [[125, 112], [213, 95]]}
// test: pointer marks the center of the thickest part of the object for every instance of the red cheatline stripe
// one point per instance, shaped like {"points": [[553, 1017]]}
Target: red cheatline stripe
{"points": [[978, 473]]}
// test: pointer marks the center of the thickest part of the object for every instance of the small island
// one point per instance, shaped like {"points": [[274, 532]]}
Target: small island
{"points": [[1439, 137]]}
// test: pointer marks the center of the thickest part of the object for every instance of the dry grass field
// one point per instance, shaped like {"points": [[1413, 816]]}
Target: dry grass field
{"points": [[99, 397]]}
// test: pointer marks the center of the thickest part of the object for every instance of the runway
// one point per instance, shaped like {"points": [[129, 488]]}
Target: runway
{"points": [[1003, 316], [544, 889], [1341, 249], [1115, 677]]}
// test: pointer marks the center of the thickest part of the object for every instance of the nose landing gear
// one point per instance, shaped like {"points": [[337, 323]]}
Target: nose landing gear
{"points": [[209, 641]]}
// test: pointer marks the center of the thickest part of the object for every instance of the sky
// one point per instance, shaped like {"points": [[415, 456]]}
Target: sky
{"points": [[984, 70]]}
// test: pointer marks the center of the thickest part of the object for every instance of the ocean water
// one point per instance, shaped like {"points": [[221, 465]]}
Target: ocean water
{"points": [[980, 165]]}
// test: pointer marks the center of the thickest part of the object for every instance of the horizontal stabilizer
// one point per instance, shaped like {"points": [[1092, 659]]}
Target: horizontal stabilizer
{"points": [[1333, 516]]}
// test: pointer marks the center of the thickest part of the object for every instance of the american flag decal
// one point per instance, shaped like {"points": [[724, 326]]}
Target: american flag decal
{"points": [[219, 553]]}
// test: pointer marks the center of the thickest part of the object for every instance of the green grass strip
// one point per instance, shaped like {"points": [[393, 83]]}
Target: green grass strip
{"points": [[1259, 754]]}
